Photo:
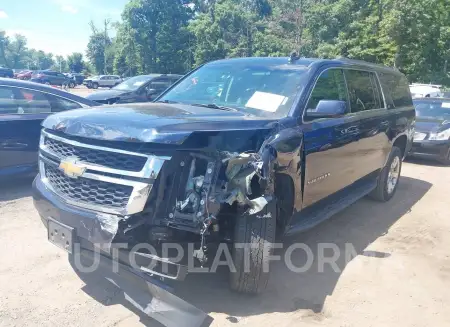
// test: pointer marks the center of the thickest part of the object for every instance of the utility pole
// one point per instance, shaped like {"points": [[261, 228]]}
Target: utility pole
{"points": [[107, 22]]}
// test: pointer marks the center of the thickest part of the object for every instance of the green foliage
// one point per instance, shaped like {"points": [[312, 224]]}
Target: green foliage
{"points": [[75, 62], [96, 49]]}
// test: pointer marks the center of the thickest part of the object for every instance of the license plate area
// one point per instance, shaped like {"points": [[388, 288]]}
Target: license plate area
{"points": [[60, 235]]}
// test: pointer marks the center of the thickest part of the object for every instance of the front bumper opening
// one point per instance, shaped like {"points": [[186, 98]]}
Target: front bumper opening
{"points": [[137, 291]]}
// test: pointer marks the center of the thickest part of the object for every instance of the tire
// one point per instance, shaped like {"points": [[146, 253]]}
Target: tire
{"points": [[47, 83], [95, 86], [259, 233], [71, 85], [445, 160], [386, 189]]}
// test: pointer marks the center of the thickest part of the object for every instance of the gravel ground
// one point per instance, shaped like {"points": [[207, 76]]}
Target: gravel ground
{"points": [[400, 276]]}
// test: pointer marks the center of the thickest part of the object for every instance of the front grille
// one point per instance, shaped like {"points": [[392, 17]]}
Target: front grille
{"points": [[107, 159], [88, 191]]}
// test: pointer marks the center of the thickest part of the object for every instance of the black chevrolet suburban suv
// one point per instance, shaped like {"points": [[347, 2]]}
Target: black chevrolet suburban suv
{"points": [[239, 151]]}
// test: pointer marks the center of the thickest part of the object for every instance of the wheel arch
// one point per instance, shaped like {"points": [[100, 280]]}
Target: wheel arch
{"points": [[401, 142]]}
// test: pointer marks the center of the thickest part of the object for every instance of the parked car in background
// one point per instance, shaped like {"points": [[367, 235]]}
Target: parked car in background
{"points": [[23, 107], [238, 151], [102, 81], [79, 78], [6, 72], [143, 88], [432, 136], [52, 78], [24, 75], [425, 90]]}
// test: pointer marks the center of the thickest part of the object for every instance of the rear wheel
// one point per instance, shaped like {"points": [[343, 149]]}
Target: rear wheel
{"points": [[71, 85], [389, 177], [258, 233], [47, 83]]}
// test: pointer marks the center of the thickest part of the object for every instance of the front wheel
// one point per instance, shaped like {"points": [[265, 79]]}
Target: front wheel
{"points": [[71, 85], [95, 85], [389, 177], [257, 233]]}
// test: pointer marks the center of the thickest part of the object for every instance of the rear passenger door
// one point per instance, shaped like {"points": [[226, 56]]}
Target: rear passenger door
{"points": [[367, 106], [61, 78], [103, 81], [21, 114]]}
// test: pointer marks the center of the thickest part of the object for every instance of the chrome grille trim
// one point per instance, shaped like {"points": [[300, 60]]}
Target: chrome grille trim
{"points": [[150, 170], [141, 189]]}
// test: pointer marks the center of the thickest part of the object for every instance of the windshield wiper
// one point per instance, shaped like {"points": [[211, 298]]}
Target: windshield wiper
{"points": [[166, 101], [213, 106]]}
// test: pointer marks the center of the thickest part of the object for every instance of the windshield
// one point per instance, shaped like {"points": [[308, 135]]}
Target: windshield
{"points": [[439, 109], [132, 84], [261, 90]]}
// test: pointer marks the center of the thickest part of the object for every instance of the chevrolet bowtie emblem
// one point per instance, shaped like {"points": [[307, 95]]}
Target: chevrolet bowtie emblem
{"points": [[71, 168]]}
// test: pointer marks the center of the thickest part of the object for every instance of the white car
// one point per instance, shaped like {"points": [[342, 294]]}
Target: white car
{"points": [[102, 81], [425, 91]]}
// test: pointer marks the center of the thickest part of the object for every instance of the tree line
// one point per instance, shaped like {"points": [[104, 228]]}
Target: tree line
{"points": [[160, 36], [14, 53]]}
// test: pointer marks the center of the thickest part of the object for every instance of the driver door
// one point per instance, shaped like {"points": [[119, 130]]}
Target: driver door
{"points": [[330, 144]]}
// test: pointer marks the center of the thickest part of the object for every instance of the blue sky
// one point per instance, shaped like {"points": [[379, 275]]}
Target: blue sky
{"points": [[57, 26]]}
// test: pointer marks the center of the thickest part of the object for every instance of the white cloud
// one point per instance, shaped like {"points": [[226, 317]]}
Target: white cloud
{"points": [[69, 8], [3, 14]]}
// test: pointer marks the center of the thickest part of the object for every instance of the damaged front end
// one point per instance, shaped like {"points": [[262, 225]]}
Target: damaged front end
{"points": [[108, 195], [197, 195]]}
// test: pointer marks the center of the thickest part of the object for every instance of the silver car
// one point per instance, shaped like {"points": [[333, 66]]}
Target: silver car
{"points": [[102, 81]]}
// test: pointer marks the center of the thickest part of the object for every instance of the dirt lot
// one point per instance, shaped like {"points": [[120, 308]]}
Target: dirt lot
{"points": [[400, 276], [82, 91]]}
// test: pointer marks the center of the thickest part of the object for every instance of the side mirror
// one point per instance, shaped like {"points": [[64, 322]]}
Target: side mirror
{"points": [[151, 93], [328, 109]]}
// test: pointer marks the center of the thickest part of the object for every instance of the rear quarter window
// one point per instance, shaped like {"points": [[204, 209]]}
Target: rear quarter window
{"points": [[396, 90]]}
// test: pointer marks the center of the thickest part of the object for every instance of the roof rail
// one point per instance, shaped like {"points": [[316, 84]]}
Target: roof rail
{"points": [[362, 62]]}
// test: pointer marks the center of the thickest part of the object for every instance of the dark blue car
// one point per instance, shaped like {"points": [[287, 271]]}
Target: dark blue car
{"points": [[23, 107], [238, 151]]}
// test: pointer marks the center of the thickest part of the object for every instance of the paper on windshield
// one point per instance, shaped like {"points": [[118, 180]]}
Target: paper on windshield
{"points": [[446, 105], [265, 101], [138, 83]]}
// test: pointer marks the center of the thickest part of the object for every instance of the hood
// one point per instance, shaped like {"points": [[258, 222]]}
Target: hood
{"points": [[106, 95], [151, 122], [429, 124]]}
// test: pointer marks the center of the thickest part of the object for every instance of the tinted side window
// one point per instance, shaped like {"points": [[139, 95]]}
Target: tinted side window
{"points": [[32, 102], [396, 90], [329, 86], [363, 92], [8, 104], [160, 84], [60, 104]]}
